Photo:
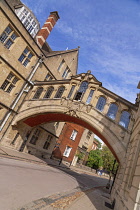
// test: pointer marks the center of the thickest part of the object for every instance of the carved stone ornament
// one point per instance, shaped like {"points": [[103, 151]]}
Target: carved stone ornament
{"points": [[73, 113], [122, 135]]}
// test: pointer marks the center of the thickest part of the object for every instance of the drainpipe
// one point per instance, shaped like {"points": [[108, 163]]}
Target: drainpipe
{"points": [[40, 60]]}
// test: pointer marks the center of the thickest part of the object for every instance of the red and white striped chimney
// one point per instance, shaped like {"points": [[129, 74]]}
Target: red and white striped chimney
{"points": [[44, 32]]}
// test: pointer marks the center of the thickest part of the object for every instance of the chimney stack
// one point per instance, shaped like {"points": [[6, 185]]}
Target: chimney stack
{"points": [[44, 32]]}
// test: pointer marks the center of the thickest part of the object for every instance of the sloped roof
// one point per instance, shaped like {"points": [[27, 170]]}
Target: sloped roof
{"points": [[53, 53]]}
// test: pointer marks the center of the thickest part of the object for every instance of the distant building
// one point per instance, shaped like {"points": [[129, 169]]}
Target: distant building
{"points": [[68, 141]]}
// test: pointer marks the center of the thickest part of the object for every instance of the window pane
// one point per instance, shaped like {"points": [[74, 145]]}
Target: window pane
{"points": [[83, 87], [10, 88], [71, 91], [67, 151], [3, 37], [90, 96], [38, 93], [101, 103], [60, 66], [112, 111], [125, 118], [8, 30], [26, 50], [13, 36], [49, 92], [10, 76], [25, 62], [5, 84], [30, 55], [73, 135], [8, 44], [30, 29], [15, 80], [59, 92], [21, 58]]}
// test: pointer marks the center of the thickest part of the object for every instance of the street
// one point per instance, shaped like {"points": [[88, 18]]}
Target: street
{"points": [[23, 182]]}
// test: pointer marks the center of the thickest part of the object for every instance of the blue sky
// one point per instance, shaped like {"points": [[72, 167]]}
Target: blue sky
{"points": [[108, 33]]}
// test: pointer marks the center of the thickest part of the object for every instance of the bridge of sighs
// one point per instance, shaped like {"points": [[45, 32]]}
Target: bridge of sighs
{"points": [[84, 101]]}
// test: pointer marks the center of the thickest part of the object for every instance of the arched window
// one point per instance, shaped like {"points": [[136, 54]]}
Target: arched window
{"points": [[49, 92], [65, 73], [38, 93], [71, 91], [112, 111], [81, 91], [89, 97], [125, 118], [59, 92], [101, 103]]}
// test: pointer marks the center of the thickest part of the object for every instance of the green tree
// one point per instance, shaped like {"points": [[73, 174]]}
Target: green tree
{"points": [[108, 159], [94, 159]]}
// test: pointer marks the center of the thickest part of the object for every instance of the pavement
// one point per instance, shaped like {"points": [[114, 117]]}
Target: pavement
{"points": [[97, 198]]}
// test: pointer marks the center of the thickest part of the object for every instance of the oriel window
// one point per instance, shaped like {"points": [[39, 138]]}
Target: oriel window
{"points": [[81, 91]]}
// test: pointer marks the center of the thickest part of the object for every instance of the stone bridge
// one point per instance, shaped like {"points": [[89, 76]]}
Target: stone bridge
{"points": [[84, 101]]}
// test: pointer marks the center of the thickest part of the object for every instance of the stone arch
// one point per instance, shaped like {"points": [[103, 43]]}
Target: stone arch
{"points": [[39, 115]]}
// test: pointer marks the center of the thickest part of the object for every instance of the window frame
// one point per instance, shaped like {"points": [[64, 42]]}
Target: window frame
{"points": [[35, 136], [59, 93], [38, 93], [73, 135], [124, 123], [67, 151], [48, 92], [7, 38], [9, 83], [112, 112], [25, 58], [99, 103], [48, 142]]}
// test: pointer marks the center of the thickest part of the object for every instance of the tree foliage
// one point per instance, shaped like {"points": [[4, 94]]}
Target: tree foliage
{"points": [[94, 159], [102, 157], [108, 159]]}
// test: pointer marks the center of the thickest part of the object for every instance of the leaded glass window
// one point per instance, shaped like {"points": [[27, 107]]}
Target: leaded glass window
{"points": [[101, 103], [125, 118], [112, 111], [25, 57], [38, 93], [9, 83], [71, 91], [49, 92], [59, 92], [81, 91], [89, 97], [8, 37]]}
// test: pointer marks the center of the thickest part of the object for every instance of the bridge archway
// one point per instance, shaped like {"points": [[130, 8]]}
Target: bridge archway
{"points": [[84, 110]]}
